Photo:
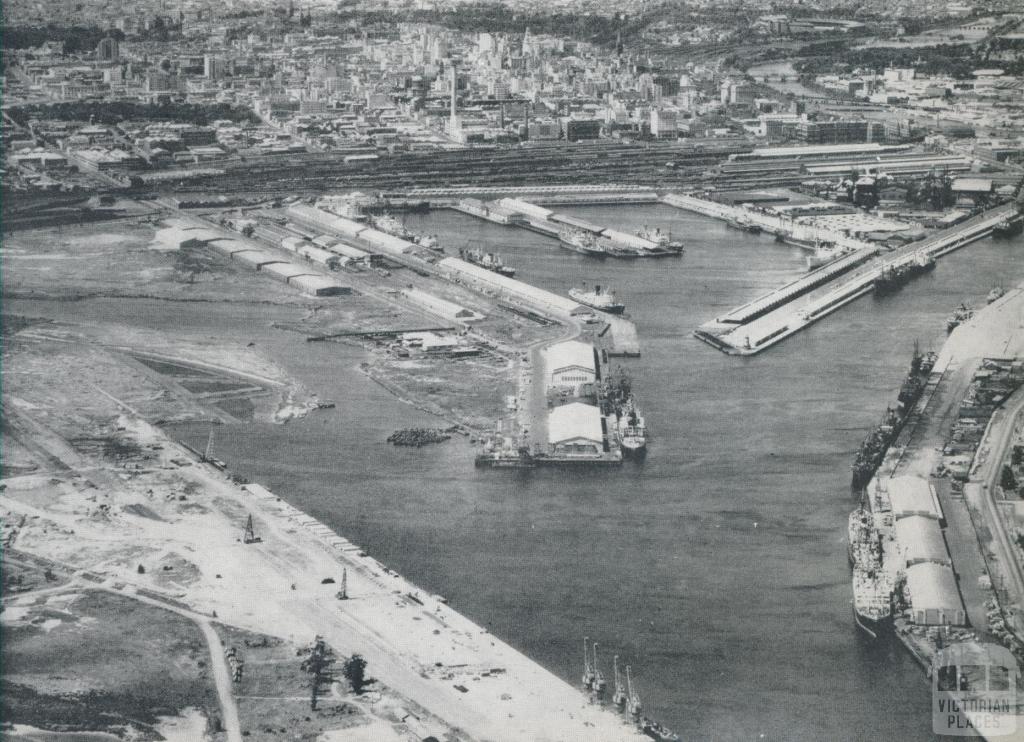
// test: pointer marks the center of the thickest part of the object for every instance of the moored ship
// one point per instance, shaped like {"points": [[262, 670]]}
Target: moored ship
{"points": [[995, 294], [824, 253], [892, 277], [632, 430], [744, 224], [1009, 227], [960, 315], [388, 224], [488, 260], [665, 245], [581, 242], [600, 298]]}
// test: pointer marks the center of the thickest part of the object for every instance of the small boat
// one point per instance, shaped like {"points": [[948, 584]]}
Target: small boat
{"points": [[599, 298], [657, 731], [995, 294], [632, 430], [960, 315]]}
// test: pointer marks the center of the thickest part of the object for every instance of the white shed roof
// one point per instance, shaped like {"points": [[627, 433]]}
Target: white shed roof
{"points": [[920, 539], [913, 496], [933, 587], [570, 353], [285, 271], [575, 420], [503, 284]]}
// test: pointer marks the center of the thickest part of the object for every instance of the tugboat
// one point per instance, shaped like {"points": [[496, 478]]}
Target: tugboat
{"points": [[657, 731], [581, 242], [599, 298], [995, 294], [960, 315], [488, 260]]}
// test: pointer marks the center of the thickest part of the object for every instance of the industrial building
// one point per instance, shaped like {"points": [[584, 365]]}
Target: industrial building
{"points": [[913, 496], [576, 430], [571, 366], [441, 307], [934, 595]]}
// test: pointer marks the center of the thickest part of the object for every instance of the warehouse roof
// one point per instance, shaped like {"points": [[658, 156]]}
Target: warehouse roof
{"points": [[509, 286], [318, 285], [920, 540], [913, 496], [575, 420], [933, 587], [285, 270], [570, 353]]}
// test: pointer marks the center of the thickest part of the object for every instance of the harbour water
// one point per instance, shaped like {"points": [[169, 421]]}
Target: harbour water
{"points": [[717, 567]]}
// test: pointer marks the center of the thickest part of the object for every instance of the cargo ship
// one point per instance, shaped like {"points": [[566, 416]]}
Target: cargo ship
{"points": [[388, 224], [874, 579], [581, 242], [872, 450], [488, 260], [663, 240], [824, 253], [632, 430], [743, 224], [600, 298], [894, 277], [1009, 227]]}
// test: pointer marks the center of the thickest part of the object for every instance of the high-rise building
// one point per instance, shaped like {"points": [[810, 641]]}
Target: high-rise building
{"points": [[107, 50], [213, 67]]}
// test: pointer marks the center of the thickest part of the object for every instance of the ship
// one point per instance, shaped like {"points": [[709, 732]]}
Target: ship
{"points": [[960, 315], [1009, 227], [744, 224], [632, 430], [581, 242], [995, 294], [873, 579], [657, 731], [488, 260], [824, 253], [663, 240], [873, 449], [893, 276], [600, 298], [390, 225]]}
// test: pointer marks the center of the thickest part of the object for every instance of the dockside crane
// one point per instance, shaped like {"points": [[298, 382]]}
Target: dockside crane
{"points": [[250, 537], [588, 670], [619, 697], [599, 683], [633, 704]]}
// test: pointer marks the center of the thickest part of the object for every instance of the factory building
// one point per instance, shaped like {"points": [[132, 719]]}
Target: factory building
{"points": [[576, 430], [571, 366]]}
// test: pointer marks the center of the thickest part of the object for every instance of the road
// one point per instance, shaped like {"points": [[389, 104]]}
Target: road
{"points": [[982, 491]]}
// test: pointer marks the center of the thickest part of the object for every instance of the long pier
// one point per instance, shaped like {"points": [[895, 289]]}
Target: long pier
{"points": [[771, 318]]}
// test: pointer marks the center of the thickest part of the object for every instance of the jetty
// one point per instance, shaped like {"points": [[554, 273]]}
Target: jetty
{"points": [[606, 241], [770, 319]]}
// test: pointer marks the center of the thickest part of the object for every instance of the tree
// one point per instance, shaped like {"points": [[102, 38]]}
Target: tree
{"points": [[354, 670], [1008, 481]]}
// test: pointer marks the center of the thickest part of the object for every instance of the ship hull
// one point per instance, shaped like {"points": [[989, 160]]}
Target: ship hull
{"points": [[873, 628]]}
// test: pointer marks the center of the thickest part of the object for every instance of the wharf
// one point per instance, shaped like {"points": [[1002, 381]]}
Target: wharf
{"points": [[772, 318]]}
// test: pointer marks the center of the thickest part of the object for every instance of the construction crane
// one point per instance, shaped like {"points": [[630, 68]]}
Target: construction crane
{"points": [[619, 697], [343, 593], [633, 703], [588, 670], [250, 536], [599, 683]]}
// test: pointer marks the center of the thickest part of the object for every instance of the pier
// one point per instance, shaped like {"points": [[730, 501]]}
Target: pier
{"points": [[606, 240], [775, 316]]}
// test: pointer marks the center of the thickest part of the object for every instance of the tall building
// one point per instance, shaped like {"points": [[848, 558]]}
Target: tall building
{"points": [[213, 67], [107, 50]]}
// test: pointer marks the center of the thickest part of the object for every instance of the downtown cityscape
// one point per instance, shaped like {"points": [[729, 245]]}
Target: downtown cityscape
{"points": [[470, 371]]}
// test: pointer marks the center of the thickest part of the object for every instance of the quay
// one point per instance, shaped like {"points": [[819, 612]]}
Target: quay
{"points": [[593, 239], [768, 320]]}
